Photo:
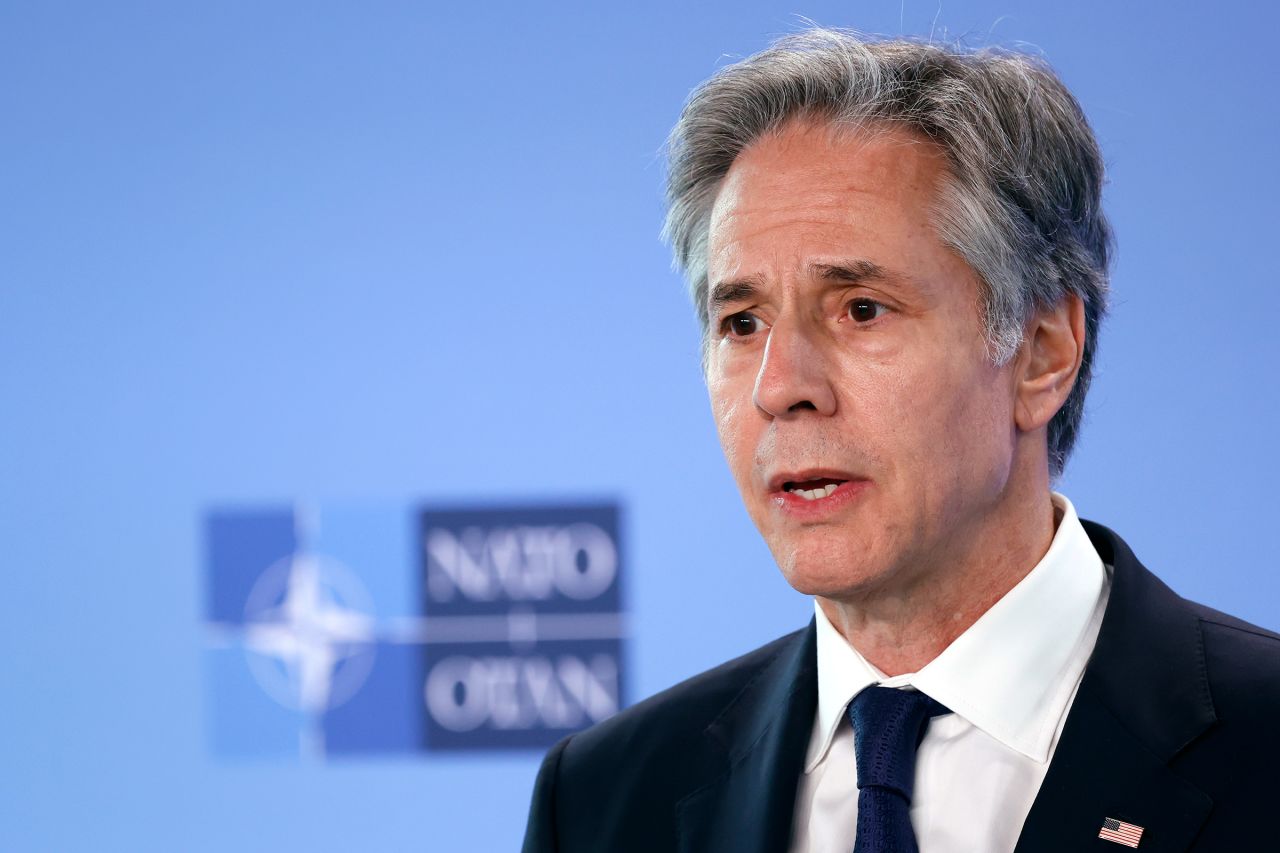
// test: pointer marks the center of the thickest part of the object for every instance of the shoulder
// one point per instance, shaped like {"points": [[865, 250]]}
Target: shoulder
{"points": [[1233, 657], [1235, 630], [1184, 673], [671, 722], [1243, 664], [616, 785], [1234, 760]]}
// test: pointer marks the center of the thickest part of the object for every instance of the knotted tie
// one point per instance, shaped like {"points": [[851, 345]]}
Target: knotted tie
{"points": [[888, 725]]}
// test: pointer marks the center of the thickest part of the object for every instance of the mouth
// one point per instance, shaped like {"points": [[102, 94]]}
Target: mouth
{"points": [[813, 486], [813, 489]]}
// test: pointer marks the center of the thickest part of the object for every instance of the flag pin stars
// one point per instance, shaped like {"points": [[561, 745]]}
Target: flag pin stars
{"points": [[1128, 834]]}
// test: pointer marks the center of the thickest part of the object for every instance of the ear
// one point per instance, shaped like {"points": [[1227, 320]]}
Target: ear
{"points": [[1052, 347]]}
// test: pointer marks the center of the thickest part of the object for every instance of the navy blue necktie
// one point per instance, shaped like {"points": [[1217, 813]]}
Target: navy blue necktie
{"points": [[888, 726]]}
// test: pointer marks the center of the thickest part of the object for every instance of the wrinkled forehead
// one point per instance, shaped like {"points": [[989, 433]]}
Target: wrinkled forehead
{"points": [[822, 176]]}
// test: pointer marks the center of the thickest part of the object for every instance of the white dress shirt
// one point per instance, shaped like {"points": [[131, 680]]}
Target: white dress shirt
{"points": [[1008, 680]]}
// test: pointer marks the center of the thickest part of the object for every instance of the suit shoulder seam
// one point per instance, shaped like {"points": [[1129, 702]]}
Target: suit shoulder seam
{"points": [[1256, 632]]}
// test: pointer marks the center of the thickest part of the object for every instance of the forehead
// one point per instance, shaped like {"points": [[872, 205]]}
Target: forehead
{"points": [[808, 185]]}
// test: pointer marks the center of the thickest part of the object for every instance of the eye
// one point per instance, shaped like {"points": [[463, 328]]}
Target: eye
{"points": [[741, 325], [864, 310]]}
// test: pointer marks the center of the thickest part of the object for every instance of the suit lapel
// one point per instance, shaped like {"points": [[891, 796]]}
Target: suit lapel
{"points": [[1143, 698], [763, 735]]}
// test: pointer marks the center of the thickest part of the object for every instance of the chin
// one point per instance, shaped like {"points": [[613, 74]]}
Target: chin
{"points": [[825, 574]]}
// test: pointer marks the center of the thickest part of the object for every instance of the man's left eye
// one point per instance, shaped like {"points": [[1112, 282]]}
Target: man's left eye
{"points": [[865, 310]]}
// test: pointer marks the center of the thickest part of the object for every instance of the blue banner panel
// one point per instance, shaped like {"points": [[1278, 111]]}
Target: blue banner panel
{"points": [[376, 541], [387, 714], [244, 721], [240, 547]]}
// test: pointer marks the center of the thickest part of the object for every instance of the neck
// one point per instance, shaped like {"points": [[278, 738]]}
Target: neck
{"points": [[900, 630]]}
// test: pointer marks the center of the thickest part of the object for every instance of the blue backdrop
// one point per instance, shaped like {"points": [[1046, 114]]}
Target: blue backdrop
{"points": [[395, 252]]}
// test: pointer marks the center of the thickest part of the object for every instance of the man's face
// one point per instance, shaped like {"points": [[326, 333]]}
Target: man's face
{"points": [[867, 428]]}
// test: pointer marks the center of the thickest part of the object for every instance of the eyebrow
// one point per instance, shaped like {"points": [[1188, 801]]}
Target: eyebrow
{"points": [[850, 272], [845, 272], [726, 292]]}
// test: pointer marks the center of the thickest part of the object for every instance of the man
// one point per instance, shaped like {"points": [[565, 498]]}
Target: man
{"points": [[900, 261]]}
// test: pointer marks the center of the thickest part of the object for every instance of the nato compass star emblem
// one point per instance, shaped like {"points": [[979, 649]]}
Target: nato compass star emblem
{"points": [[309, 633]]}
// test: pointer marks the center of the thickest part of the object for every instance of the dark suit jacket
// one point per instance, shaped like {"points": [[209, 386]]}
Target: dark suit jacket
{"points": [[1175, 728]]}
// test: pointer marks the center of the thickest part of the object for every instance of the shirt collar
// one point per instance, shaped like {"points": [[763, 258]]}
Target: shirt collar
{"points": [[1011, 674]]}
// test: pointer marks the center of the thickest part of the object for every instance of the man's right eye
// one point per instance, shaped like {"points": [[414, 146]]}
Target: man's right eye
{"points": [[742, 325]]}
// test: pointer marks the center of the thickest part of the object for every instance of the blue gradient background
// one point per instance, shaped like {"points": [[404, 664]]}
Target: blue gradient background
{"points": [[252, 253]]}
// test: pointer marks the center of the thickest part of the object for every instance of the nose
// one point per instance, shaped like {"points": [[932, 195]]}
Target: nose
{"points": [[793, 374]]}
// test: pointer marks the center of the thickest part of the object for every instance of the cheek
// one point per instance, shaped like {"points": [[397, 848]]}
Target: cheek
{"points": [[733, 424], [971, 428], [945, 417]]}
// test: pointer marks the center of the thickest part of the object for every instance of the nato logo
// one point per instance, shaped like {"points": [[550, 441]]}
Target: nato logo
{"points": [[337, 630]]}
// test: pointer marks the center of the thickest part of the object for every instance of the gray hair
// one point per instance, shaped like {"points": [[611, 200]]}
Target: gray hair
{"points": [[1022, 202]]}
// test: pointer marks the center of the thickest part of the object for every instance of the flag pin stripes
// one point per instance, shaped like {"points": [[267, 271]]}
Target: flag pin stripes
{"points": [[1128, 834]]}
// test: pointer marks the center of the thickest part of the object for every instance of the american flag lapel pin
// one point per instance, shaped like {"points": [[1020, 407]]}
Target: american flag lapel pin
{"points": [[1128, 834]]}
